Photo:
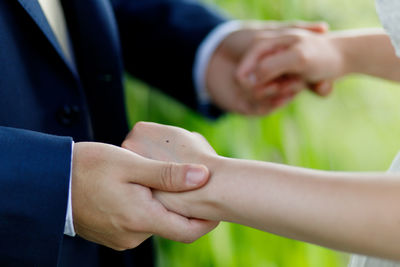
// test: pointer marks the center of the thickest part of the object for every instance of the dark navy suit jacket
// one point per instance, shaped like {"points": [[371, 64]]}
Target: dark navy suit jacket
{"points": [[45, 103]]}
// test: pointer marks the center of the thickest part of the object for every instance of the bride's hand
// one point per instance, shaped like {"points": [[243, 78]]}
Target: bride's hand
{"points": [[167, 143], [313, 57]]}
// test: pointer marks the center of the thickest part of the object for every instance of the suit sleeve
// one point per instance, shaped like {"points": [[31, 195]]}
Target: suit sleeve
{"points": [[34, 180], [160, 39]]}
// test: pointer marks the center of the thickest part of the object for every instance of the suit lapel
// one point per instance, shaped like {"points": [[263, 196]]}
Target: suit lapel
{"points": [[34, 10]]}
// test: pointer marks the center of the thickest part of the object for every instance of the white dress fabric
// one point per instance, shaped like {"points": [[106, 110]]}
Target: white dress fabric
{"points": [[365, 261], [389, 14]]}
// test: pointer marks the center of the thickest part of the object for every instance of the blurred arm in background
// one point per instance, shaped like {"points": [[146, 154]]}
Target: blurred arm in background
{"points": [[168, 39], [316, 57]]}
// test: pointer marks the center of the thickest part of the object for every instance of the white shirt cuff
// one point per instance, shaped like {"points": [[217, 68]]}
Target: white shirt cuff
{"points": [[204, 54], [69, 222]]}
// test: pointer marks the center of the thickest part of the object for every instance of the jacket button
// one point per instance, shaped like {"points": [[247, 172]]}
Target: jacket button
{"points": [[106, 78], [68, 114]]}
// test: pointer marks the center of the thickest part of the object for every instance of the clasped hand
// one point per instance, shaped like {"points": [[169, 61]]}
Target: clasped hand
{"points": [[264, 65], [112, 199], [119, 197], [173, 144]]}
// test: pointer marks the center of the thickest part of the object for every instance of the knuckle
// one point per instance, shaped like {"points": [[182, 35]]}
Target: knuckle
{"points": [[187, 236], [189, 239], [259, 37], [129, 223], [118, 245], [295, 37], [120, 249], [128, 244], [184, 239], [260, 45], [133, 243], [139, 126], [126, 144], [167, 172], [198, 136], [264, 68], [239, 73], [301, 56], [129, 226]]}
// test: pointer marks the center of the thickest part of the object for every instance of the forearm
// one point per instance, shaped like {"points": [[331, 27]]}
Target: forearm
{"points": [[346, 211], [368, 52]]}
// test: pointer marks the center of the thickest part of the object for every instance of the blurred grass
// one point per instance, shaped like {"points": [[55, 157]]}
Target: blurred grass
{"points": [[356, 129]]}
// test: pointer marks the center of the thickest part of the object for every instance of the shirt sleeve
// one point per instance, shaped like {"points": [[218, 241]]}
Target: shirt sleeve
{"points": [[69, 221], [204, 54]]}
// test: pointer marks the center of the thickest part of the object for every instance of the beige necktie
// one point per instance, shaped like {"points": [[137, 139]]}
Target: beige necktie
{"points": [[55, 17]]}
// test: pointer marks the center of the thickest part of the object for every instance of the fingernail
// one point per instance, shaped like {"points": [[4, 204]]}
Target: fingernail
{"points": [[267, 91], [295, 88], [281, 102], [252, 79], [271, 90], [195, 176], [324, 88]]}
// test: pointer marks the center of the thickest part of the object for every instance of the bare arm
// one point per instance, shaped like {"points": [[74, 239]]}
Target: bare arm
{"points": [[354, 212], [369, 52]]}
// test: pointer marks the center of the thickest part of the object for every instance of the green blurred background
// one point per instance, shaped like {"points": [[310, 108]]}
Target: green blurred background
{"points": [[356, 129]]}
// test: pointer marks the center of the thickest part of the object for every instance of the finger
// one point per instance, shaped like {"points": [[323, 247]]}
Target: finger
{"points": [[276, 65], [250, 60], [245, 74], [323, 88], [279, 25], [131, 240], [286, 93], [116, 241], [244, 106], [178, 228], [282, 100], [139, 148], [169, 176], [281, 85], [266, 91], [317, 27], [292, 84], [273, 104]]}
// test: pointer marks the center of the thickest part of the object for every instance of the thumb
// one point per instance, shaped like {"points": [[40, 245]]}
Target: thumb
{"points": [[170, 176], [323, 88], [317, 27]]}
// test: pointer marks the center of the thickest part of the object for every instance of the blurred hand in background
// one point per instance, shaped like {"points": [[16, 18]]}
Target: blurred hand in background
{"points": [[230, 79], [309, 56]]}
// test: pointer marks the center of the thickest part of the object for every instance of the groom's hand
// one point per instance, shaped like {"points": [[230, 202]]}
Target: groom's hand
{"points": [[113, 205], [222, 79]]}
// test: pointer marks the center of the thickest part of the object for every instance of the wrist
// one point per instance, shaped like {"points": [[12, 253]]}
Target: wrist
{"points": [[343, 63], [358, 49], [212, 195]]}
